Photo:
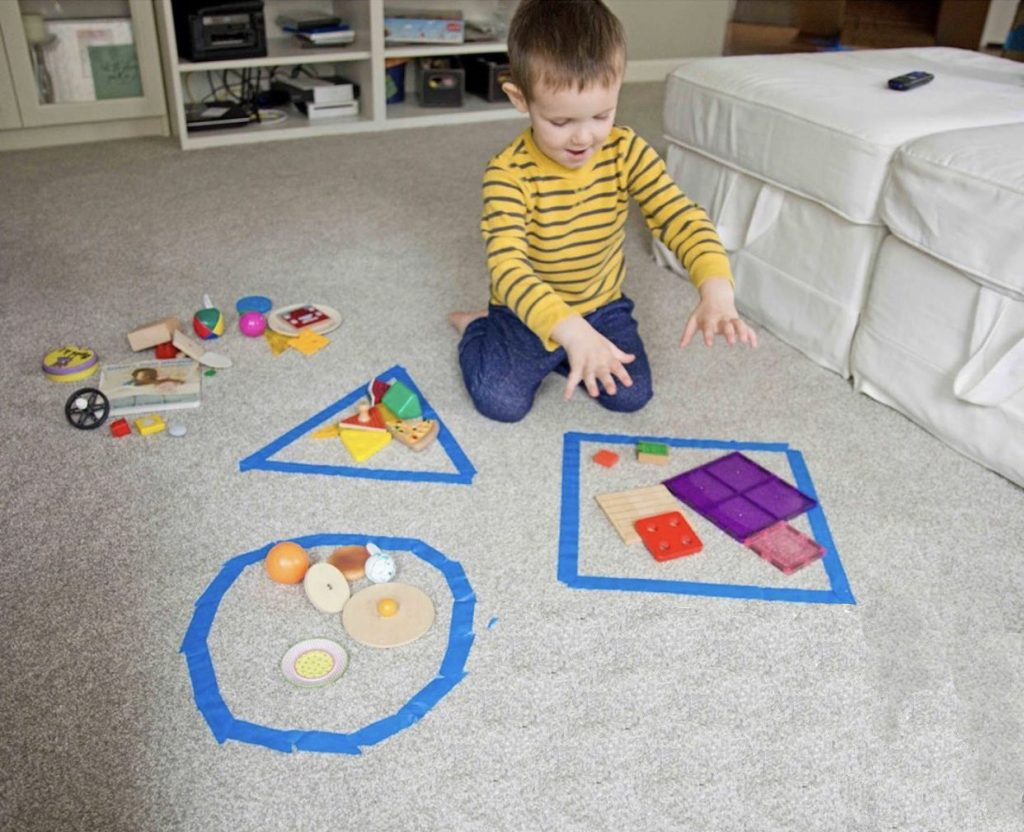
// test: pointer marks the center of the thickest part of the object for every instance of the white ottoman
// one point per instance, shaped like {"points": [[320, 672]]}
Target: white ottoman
{"points": [[790, 154], [942, 335]]}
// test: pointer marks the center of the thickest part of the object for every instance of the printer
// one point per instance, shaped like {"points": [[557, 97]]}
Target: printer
{"points": [[208, 30]]}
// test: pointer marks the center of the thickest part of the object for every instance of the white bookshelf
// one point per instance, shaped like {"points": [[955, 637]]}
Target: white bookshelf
{"points": [[363, 61]]}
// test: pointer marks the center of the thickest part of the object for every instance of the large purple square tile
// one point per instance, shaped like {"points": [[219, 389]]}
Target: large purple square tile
{"points": [[698, 489], [780, 499], [737, 471], [740, 518]]}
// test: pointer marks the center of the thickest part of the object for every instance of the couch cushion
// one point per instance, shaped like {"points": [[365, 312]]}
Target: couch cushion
{"points": [[960, 197], [825, 125]]}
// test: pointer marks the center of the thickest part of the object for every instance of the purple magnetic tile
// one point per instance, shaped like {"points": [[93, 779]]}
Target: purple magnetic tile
{"points": [[698, 489], [739, 518], [780, 499], [737, 471], [785, 548]]}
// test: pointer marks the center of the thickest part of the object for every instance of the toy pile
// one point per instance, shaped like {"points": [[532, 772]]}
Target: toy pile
{"points": [[385, 614], [746, 501], [392, 410]]}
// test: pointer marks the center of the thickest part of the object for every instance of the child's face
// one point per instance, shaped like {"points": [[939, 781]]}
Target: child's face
{"points": [[570, 125]]}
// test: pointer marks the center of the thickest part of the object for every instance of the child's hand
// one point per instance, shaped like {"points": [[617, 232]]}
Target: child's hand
{"points": [[592, 358], [716, 315]]}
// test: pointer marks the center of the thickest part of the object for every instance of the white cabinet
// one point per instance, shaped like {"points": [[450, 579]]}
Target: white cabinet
{"points": [[79, 70], [364, 61]]}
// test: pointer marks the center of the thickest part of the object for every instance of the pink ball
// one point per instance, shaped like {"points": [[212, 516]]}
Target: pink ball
{"points": [[252, 324]]}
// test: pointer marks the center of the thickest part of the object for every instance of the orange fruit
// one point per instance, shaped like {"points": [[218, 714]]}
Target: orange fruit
{"points": [[287, 562]]}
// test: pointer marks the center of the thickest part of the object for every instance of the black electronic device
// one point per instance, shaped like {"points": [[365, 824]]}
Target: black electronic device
{"points": [[910, 81], [211, 31], [215, 115]]}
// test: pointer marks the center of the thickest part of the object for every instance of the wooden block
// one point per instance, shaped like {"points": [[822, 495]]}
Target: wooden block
{"points": [[624, 508], [651, 459], [153, 333]]}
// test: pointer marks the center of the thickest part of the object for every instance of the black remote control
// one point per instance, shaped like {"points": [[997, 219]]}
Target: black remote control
{"points": [[910, 81]]}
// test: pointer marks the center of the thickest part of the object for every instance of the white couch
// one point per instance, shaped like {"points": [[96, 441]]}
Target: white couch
{"points": [[879, 232]]}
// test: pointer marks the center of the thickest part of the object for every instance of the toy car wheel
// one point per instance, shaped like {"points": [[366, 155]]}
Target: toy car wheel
{"points": [[87, 409]]}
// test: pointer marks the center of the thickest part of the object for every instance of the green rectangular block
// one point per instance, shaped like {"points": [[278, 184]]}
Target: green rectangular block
{"points": [[656, 448]]}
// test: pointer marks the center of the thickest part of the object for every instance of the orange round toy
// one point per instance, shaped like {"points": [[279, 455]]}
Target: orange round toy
{"points": [[287, 562]]}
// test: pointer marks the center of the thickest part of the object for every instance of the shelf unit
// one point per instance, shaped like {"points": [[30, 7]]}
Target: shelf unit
{"points": [[31, 118], [363, 61]]}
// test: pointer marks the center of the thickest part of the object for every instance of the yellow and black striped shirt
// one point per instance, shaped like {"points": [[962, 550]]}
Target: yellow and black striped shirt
{"points": [[555, 236]]}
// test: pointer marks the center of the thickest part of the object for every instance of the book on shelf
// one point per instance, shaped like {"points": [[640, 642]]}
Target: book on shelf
{"points": [[306, 21], [148, 385], [331, 35]]}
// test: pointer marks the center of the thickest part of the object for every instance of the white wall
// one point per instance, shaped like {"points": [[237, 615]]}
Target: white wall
{"points": [[660, 32], [998, 22]]}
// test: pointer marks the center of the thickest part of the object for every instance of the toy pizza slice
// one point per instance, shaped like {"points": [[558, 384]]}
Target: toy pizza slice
{"points": [[414, 434]]}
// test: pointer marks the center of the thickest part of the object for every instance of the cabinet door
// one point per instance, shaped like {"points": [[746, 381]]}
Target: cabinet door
{"points": [[9, 117], [88, 69]]}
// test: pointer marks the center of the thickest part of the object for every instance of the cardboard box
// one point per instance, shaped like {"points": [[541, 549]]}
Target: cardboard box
{"points": [[423, 26]]}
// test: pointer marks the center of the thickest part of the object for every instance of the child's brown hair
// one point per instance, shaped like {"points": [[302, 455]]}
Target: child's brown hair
{"points": [[564, 43]]}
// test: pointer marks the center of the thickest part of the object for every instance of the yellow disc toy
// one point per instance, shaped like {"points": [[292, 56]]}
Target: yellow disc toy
{"points": [[70, 363]]}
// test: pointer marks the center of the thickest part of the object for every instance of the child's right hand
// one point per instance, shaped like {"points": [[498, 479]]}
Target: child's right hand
{"points": [[592, 358]]}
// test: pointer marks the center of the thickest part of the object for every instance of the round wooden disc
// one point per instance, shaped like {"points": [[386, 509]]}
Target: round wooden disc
{"points": [[351, 560], [326, 587], [367, 626]]}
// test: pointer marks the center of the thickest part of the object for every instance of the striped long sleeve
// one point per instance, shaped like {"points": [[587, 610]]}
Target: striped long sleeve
{"points": [[554, 236]]}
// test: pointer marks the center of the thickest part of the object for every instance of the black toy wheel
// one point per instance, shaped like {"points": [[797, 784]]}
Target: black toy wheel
{"points": [[87, 409]]}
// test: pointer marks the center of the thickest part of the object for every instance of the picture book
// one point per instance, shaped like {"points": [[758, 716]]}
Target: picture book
{"points": [[147, 385]]}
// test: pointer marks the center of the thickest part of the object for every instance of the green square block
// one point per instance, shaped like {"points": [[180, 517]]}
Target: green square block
{"points": [[656, 448], [401, 401]]}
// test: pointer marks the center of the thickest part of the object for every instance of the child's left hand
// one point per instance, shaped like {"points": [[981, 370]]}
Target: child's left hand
{"points": [[716, 315]]}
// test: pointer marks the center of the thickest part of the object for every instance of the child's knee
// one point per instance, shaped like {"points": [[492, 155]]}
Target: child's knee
{"points": [[501, 405], [629, 399]]}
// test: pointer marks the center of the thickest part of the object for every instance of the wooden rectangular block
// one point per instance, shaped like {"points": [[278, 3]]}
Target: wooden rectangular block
{"points": [[153, 333], [624, 508]]}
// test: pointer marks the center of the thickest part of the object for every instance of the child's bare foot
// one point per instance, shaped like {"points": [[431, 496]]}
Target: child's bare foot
{"points": [[460, 320]]}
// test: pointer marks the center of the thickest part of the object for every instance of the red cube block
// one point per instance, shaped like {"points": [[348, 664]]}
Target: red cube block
{"points": [[120, 427]]}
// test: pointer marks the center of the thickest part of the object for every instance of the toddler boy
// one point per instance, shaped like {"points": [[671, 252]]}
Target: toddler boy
{"points": [[555, 205]]}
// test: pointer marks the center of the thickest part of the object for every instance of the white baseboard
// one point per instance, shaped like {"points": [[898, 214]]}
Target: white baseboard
{"points": [[651, 70]]}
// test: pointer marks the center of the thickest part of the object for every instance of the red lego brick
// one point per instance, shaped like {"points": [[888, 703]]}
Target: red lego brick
{"points": [[120, 427], [668, 536], [165, 350]]}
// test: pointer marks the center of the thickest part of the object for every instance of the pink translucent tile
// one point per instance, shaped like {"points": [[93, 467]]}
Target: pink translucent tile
{"points": [[785, 548]]}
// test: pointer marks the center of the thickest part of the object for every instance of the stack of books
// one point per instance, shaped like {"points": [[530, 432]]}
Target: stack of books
{"points": [[317, 29]]}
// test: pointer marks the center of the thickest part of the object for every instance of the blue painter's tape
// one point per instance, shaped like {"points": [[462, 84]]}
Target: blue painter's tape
{"points": [[822, 533], [263, 458], [222, 722], [568, 544], [492, 622]]}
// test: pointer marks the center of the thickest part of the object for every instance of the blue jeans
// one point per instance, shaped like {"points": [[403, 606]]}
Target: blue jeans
{"points": [[503, 362]]}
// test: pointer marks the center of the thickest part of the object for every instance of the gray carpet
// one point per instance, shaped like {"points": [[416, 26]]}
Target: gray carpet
{"points": [[582, 709]]}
